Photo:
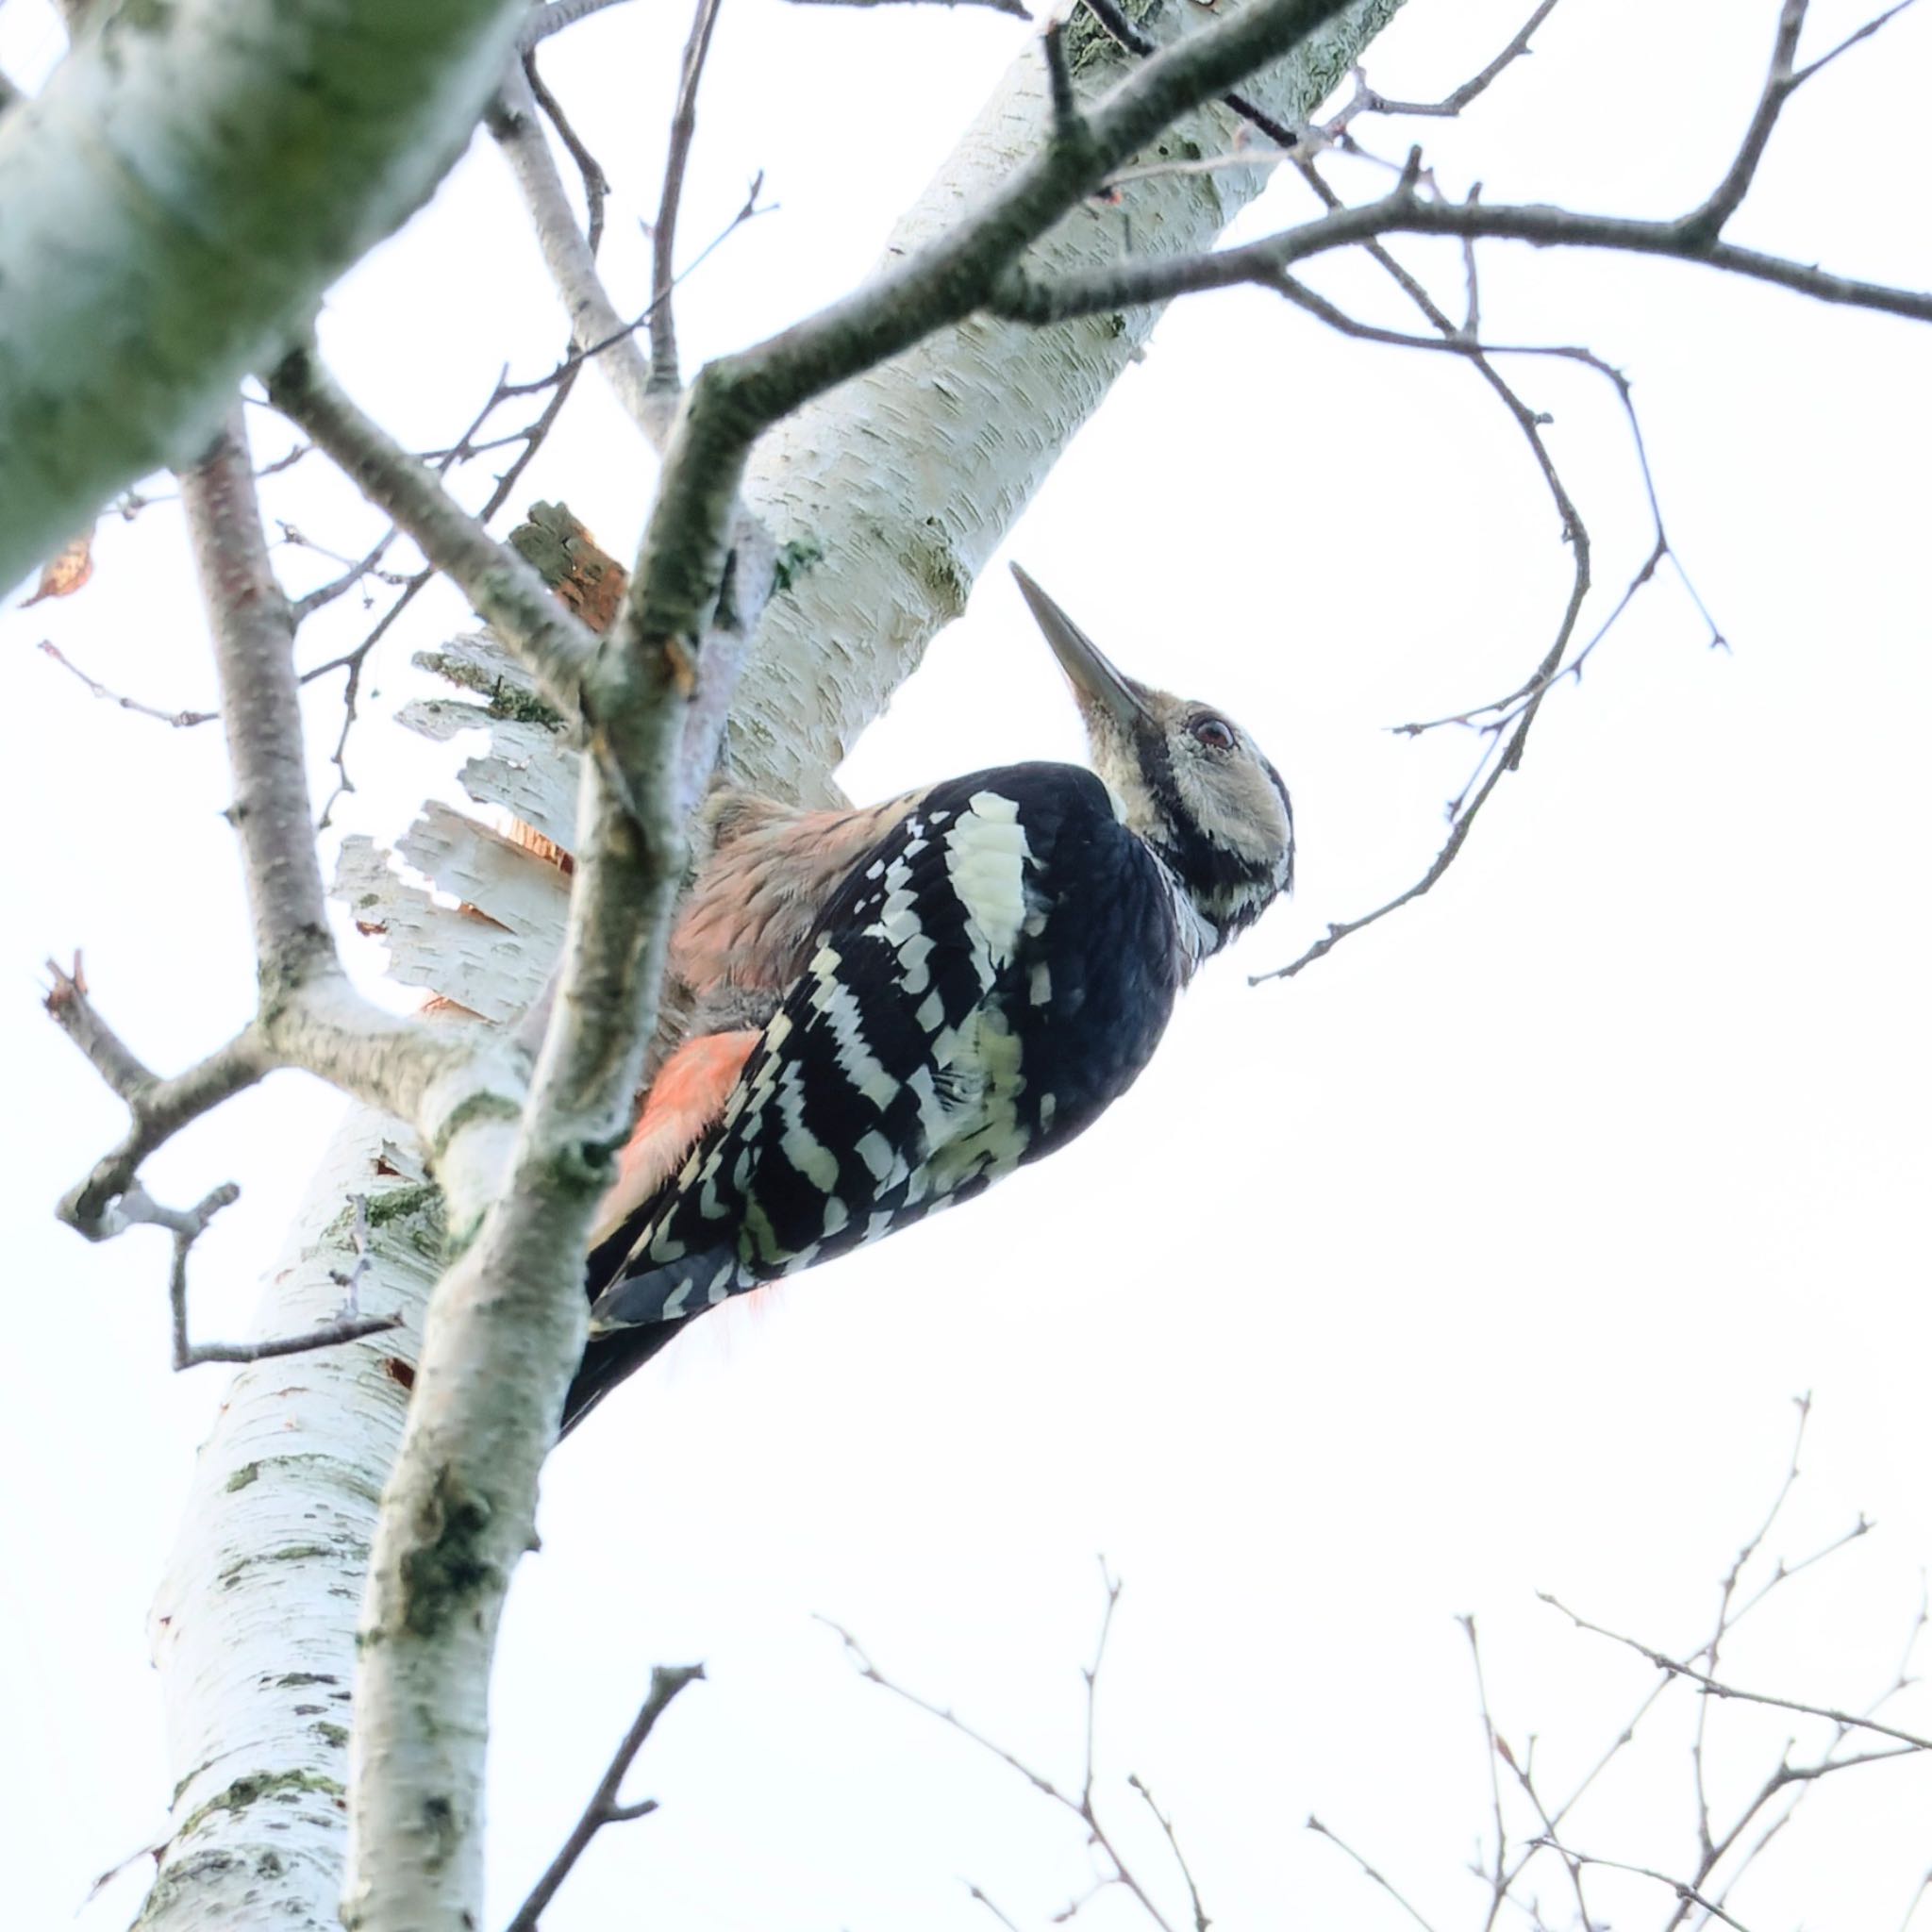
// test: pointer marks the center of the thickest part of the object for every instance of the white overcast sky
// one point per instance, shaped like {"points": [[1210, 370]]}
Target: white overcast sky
{"points": [[1483, 1259]]}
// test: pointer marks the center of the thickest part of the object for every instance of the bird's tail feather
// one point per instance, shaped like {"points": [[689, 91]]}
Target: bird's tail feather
{"points": [[608, 1360]]}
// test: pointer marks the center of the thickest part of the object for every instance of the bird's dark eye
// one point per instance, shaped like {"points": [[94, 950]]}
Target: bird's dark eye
{"points": [[1217, 734]]}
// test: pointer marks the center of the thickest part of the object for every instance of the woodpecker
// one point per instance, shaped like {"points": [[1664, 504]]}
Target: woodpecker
{"points": [[898, 1005]]}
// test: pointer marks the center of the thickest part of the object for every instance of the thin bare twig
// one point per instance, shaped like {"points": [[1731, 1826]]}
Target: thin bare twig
{"points": [[354, 661], [110, 1056], [1492, 1748], [1783, 78], [1515, 712], [102, 1207], [1688, 1895], [1727, 1592], [1918, 1899], [979, 1897], [1173, 1844], [624, 331], [1574, 532], [1083, 1805], [1801, 1780], [1524, 1773], [1500, 754], [501, 586], [596, 184], [1850, 40], [1090, 1676], [664, 379], [187, 1228], [441, 461], [1125, 33], [1785, 1775], [605, 1806], [1453, 103], [1710, 1685], [1367, 1870], [181, 720]]}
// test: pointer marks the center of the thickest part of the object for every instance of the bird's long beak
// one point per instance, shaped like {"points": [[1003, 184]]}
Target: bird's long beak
{"points": [[1094, 680]]}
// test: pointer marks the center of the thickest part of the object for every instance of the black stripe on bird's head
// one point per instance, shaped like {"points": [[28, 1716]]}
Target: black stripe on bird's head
{"points": [[1191, 781]]}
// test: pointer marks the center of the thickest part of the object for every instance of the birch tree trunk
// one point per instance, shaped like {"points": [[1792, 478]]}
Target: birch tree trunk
{"points": [[252, 1627], [891, 492]]}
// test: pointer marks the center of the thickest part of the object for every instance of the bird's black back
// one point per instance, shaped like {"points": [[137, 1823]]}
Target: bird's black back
{"points": [[851, 1064]]}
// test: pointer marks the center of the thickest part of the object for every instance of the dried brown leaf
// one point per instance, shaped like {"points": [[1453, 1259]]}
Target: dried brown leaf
{"points": [[67, 570]]}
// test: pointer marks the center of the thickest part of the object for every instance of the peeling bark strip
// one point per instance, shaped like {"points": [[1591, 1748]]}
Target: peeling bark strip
{"points": [[178, 199]]}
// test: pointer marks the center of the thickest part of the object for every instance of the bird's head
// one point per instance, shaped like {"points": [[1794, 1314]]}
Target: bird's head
{"points": [[1191, 781]]}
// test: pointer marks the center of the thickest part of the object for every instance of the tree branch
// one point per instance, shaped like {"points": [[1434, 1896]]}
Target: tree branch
{"points": [[1453, 103], [664, 379], [604, 1807], [1671, 1667], [1851, 40], [181, 720], [1688, 1895], [309, 1013], [1116, 1872], [349, 1326], [595, 326], [254, 635], [1367, 1870], [1406, 211], [102, 1204], [310, 1016]]}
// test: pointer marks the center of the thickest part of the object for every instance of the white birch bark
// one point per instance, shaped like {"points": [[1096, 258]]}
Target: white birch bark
{"points": [[172, 205], [899, 484], [254, 1626]]}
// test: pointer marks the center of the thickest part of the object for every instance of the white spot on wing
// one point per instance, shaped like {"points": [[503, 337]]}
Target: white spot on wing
{"points": [[987, 855], [798, 1143], [881, 1162], [857, 1060]]}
